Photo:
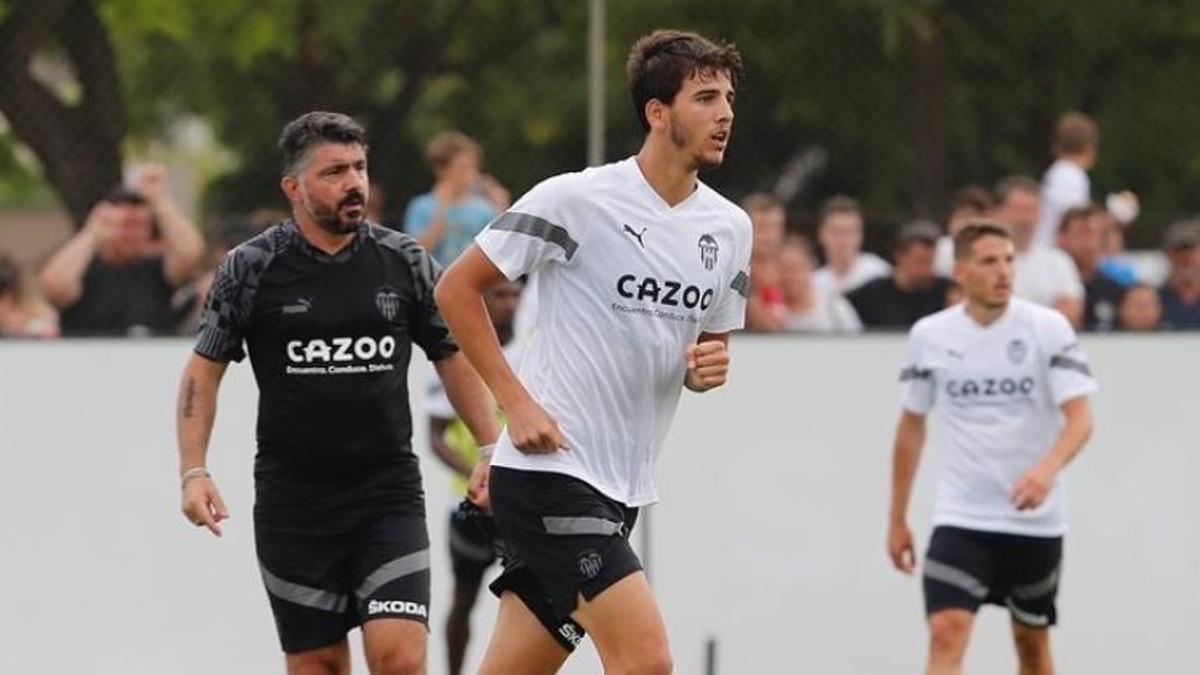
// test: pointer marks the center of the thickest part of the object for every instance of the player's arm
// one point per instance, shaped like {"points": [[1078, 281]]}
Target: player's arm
{"points": [[195, 413], [906, 456], [707, 362], [443, 451], [1033, 488], [469, 397], [459, 296], [183, 247]]}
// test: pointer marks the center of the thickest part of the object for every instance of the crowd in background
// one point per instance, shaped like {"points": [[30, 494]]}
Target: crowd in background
{"points": [[1070, 255], [140, 267]]}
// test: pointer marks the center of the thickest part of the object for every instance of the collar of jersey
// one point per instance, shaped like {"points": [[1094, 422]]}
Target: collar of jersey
{"points": [[321, 256], [658, 200]]}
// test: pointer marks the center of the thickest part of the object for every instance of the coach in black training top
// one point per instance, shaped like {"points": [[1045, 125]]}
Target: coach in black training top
{"points": [[328, 307]]}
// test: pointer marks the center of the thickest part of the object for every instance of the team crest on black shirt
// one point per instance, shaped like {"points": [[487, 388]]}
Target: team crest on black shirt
{"points": [[388, 302], [1017, 349], [708, 251], [590, 563]]}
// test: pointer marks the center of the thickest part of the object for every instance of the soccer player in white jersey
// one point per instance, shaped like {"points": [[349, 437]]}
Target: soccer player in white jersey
{"points": [[640, 274], [1007, 385]]}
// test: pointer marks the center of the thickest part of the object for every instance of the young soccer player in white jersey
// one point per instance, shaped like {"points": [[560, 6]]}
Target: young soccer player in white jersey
{"points": [[640, 274], [1007, 385]]}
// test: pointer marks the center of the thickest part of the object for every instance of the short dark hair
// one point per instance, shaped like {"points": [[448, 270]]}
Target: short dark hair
{"points": [[1017, 183], [305, 132], [837, 204], [1077, 213], [125, 195], [660, 62], [972, 197], [973, 232], [1075, 133], [761, 201]]}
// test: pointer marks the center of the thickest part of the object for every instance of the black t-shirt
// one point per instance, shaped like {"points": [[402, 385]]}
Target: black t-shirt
{"points": [[119, 300], [880, 303], [1176, 313], [1102, 300], [329, 338]]}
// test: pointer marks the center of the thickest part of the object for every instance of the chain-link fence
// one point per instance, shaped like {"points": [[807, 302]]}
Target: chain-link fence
{"points": [[897, 103]]}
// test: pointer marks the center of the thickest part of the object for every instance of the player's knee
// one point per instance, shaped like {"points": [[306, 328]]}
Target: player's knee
{"points": [[948, 633], [317, 662], [397, 660], [650, 660]]}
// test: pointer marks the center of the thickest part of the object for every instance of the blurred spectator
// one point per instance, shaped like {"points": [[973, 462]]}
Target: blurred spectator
{"points": [[1044, 274], [1081, 235], [912, 291], [446, 219], [1141, 309], [840, 232], [970, 203], [17, 317], [809, 308], [188, 301], [1112, 247], [375, 204], [116, 275], [494, 192], [769, 222], [764, 306], [1065, 184], [1180, 295]]}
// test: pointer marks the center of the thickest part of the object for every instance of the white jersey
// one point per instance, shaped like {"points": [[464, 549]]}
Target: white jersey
{"points": [[995, 393], [1064, 187], [624, 284], [867, 266]]}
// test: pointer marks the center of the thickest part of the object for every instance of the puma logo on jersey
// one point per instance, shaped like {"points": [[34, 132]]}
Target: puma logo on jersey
{"points": [[341, 349], [664, 292], [302, 306], [637, 235]]}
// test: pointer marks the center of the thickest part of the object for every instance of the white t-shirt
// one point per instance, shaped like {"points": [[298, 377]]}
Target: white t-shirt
{"points": [[867, 266], [1064, 186], [943, 257], [624, 283], [831, 313], [1043, 275], [994, 392]]}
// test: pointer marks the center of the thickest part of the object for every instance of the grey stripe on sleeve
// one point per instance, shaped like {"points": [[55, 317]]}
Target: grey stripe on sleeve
{"points": [[915, 373], [390, 571], [740, 283], [581, 525], [1070, 364], [303, 595], [523, 223], [954, 577]]}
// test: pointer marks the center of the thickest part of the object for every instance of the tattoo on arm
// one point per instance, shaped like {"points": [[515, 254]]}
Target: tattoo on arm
{"points": [[189, 399]]}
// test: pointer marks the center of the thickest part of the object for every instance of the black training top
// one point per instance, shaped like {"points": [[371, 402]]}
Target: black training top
{"points": [[329, 339], [132, 299]]}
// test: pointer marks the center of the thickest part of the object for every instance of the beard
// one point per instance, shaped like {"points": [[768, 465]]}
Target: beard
{"points": [[330, 218], [682, 138]]}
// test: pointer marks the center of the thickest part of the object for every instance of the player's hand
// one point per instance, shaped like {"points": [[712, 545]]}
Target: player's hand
{"points": [[152, 183], [900, 548], [477, 486], [202, 504], [1032, 489], [533, 431], [707, 365]]}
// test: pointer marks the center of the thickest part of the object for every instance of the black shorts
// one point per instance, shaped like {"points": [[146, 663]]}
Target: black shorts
{"points": [[562, 539], [322, 585], [472, 543], [966, 568]]}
